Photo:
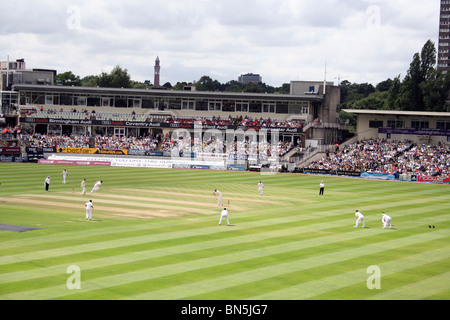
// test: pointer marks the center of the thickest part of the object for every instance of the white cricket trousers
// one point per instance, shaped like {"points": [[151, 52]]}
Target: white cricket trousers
{"points": [[222, 216], [361, 219], [387, 223], [89, 214]]}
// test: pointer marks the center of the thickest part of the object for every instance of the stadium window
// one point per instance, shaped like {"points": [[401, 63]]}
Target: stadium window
{"points": [[120, 102], [228, 106], [420, 124], [305, 110], [66, 99], [49, 99], [201, 105], [148, 103], [375, 124], [282, 107], [396, 124], [214, 105], [443, 125], [255, 107], [187, 104], [269, 107], [37, 98], [105, 102], [175, 103], [242, 106], [93, 101], [80, 101], [134, 103]]}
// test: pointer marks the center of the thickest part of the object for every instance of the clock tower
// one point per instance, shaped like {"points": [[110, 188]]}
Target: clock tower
{"points": [[157, 71]]}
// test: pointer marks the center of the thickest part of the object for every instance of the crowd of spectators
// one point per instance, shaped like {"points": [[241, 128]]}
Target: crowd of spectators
{"points": [[244, 121], [101, 142], [396, 157], [212, 145], [374, 155]]}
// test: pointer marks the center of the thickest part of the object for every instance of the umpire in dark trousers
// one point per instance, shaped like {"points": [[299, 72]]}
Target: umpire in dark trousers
{"points": [[47, 183]]}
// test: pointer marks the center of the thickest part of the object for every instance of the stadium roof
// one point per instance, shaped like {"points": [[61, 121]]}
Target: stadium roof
{"points": [[398, 113], [172, 93]]}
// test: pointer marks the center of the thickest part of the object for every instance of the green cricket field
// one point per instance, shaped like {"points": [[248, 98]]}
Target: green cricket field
{"points": [[155, 235]]}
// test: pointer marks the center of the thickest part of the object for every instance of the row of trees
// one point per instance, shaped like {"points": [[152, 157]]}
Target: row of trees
{"points": [[119, 78], [424, 88]]}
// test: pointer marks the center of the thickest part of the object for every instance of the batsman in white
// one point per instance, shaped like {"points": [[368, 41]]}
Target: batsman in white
{"points": [[218, 196], [386, 220], [359, 218], [83, 187], [224, 214]]}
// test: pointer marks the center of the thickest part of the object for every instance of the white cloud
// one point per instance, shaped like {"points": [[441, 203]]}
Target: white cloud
{"points": [[367, 41]]}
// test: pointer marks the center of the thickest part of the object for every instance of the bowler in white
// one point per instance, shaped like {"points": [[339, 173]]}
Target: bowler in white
{"points": [[96, 186]]}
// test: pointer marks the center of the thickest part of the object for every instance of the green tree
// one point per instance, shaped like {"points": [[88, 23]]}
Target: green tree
{"points": [[435, 91], [384, 85], [119, 78], [393, 94], [67, 79], [89, 81], [205, 83], [421, 70]]}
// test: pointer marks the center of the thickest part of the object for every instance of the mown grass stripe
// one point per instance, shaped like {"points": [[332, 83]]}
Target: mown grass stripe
{"points": [[69, 250], [290, 204], [195, 288], [180, 292], [418, 290], [311, 289], [242, 241]]}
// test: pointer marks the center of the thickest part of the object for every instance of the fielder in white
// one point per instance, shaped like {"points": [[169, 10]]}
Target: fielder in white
{"points": [[64, 176], [261, 188], [89, 206], [218, 196], [224, 214], [359, 218], [96, 186], [83, 187], [386, 221]]}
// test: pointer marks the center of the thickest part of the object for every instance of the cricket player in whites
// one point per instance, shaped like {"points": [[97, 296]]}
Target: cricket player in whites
{"points": [[64, 176], [218, 196], [89, 206], [386, 220], [224, 214], [96, 186], [359, 218], [261, 188], [83, 187]]}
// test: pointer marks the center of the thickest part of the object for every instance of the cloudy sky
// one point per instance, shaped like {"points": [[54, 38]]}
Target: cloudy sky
{"points": [[283, 40]]}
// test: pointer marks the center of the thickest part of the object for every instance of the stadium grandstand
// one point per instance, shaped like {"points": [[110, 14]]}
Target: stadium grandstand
{"points": [[299, 132]]}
